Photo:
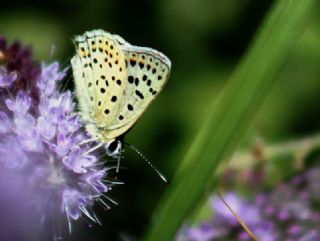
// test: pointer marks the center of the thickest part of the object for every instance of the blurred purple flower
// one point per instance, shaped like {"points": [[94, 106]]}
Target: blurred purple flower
{"points": [[285, 213], [17, 60], [44, 172]]}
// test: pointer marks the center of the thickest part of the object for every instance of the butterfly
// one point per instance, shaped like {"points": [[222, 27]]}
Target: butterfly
{"points": [[115, 82]]}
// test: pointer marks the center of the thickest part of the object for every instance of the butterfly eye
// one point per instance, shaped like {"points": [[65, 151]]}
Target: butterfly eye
{"points": [[113, 147]]}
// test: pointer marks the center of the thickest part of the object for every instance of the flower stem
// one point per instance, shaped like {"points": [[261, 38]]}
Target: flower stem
{"points": [[299, 149]]}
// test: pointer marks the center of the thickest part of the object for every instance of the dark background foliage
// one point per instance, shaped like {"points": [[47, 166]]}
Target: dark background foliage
{"points": [[204, 40]]}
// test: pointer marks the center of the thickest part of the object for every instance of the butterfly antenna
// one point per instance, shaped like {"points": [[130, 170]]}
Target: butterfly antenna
{"points": [[244, 226], [149, 163]]}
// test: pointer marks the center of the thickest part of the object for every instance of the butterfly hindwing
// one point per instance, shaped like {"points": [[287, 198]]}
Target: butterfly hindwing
{"points": [[147, 73]]}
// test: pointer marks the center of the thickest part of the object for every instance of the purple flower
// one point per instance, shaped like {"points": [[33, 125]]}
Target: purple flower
{"points": [[45, 173], [285, 213]]}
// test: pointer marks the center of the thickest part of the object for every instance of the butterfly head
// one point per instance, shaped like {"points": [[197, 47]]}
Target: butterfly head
{"points": [[113, 148]]}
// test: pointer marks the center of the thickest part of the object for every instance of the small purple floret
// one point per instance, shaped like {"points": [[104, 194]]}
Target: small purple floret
{"points": [[6, 79]]}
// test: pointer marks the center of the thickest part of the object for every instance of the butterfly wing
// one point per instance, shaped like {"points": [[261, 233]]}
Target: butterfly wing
{"points": [[99, 73], [147, 73], [115, 82]]}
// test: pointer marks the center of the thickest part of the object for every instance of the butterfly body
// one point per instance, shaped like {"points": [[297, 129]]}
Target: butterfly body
{"points": [[115, 82]]}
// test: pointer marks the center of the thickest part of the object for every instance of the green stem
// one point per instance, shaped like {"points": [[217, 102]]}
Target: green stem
{"points": [[228, 121], [299, 149]]}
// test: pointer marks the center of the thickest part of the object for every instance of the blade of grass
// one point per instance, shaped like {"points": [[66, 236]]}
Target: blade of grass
{"points": [[230, 117]]}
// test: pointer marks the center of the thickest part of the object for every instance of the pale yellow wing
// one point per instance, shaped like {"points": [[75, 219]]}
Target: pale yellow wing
{"points": [[147, 73], [100, 78]]}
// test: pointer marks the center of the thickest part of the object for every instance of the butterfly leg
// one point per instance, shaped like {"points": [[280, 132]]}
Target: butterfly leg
{"points": [[118, 164], [93, 149], [87, 141]]}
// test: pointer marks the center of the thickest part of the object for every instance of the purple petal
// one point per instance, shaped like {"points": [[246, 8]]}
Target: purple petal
{"points": [[48, 79], [5, 123], [95, 179], [265, 231], [7, 79], [294, 230], [244, 236], [199, 235], [72, 200], [69, 124], [270, 210], [64, 102], [64, 144], [31, 141], [45, 128], [24, 123], [206, 232], [77, 162], [21, 104], [220, 208], [283, 215]]}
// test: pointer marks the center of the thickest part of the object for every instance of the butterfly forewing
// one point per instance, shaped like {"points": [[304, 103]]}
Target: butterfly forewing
{"points": [[80, 74], [102, 82]]}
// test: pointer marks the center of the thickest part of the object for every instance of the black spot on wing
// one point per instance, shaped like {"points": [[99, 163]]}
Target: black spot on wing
{"points": [[130, 79], [141, 65], [139, 94], [130, 107], [114, 98], [133, 62], [144, 77], [136, 81]]}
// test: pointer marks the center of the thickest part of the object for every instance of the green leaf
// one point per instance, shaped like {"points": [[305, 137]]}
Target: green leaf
{"points": [[229, 117]]}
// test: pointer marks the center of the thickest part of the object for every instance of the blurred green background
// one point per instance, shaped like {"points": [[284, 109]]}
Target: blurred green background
{"points": [[204, 40]]}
